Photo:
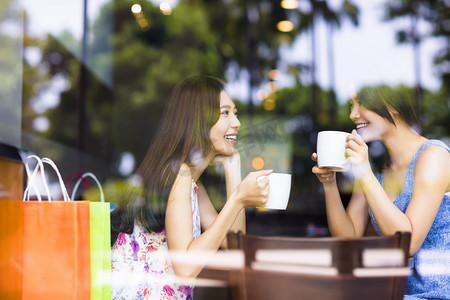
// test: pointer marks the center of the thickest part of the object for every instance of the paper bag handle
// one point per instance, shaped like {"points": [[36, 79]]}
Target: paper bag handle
{"points": [[61, 181], [31, 184], [31, 179], [77, 184]]}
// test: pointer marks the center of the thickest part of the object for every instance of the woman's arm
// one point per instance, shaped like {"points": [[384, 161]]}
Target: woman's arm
{"points": [[232, 170], [341, 222], [430, 183], [208, 212], [179, 217], [431, 178], [389, 218]]}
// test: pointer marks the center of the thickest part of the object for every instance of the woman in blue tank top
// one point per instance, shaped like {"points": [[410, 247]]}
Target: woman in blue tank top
{"points": [[411, 193]]}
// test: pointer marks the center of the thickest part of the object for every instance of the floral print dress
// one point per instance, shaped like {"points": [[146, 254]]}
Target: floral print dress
{"points": [[141, 268]]}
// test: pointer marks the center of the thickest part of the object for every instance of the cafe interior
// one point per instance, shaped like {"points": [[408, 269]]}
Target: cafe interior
{"points": [[84, 83]]}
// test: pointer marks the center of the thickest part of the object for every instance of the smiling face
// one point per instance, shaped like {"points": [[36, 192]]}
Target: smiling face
{"points": [[223, 133], [369, 125]]}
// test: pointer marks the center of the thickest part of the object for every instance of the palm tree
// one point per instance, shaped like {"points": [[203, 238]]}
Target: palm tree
{"points": [[396, 9], [308, 19], [243, 28], [436, 14], [350, 11]]}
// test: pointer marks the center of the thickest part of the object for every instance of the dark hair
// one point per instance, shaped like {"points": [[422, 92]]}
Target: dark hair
{"points": [[379, 98], [182, 133]]}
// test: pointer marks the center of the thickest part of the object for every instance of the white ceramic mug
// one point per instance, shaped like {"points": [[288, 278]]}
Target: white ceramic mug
{"points": [[331, 150], [279, 191]]}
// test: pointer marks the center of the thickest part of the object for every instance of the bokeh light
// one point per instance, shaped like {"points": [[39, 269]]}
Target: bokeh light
{"points": [[285, 26], [258, 163], [136, 8], [269, 104], [143, 23], [289, 4], [165, 8], [262, 94], [273, 74]]}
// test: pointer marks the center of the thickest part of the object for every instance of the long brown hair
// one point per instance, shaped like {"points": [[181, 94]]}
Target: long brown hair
{"points": [[182, 135]]}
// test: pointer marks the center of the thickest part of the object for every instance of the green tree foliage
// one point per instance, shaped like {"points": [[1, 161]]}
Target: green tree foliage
{"points": [[306, 21], [436, 108], [147, 62], [12, 70], [434, 12], [247, 32]]}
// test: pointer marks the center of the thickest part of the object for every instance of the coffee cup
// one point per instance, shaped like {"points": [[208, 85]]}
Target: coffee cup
{"points": [[331, 150], [279, 191]]}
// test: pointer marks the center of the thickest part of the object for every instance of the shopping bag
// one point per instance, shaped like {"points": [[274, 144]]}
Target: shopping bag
{"points": [[11, 247], [100, 232], [11, 189], [56, 245]]}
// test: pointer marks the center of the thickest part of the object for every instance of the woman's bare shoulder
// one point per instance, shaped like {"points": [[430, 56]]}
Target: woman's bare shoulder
{"points": [[433, 164], [184, 176], [184, 170], [435, 153]]}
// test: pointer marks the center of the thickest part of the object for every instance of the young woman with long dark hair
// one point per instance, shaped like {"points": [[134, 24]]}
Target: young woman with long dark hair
{"points": [[199, 127]]}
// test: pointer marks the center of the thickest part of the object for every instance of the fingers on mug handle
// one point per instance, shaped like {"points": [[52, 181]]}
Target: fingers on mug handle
{"points": [[264, 180], [263, 173]]}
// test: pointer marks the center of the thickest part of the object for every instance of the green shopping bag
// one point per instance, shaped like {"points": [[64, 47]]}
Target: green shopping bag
{"points": [[100, 251], [100, 242]]}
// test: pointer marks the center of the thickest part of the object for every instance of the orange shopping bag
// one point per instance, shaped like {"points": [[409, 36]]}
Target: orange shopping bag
{"points": [[11, 218], [56, 246]]}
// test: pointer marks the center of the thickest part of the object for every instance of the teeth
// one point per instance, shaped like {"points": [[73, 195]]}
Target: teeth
{"points": [[362, 125], [231, 137]]}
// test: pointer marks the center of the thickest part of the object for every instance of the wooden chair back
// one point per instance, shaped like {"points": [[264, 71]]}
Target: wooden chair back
{"points": [[322, 268]]}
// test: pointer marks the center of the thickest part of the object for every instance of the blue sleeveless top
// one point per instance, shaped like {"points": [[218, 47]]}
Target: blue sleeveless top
{"points": [[431, 263]]}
